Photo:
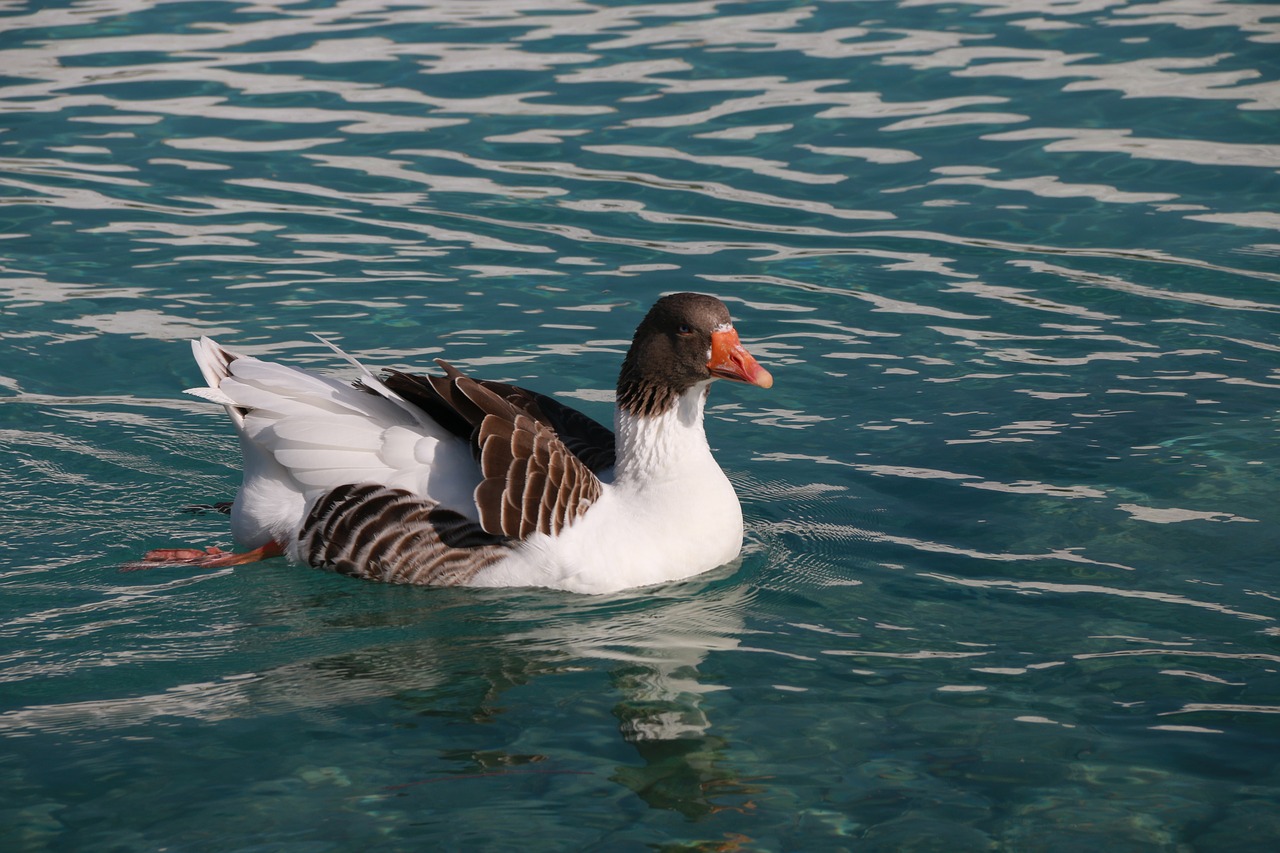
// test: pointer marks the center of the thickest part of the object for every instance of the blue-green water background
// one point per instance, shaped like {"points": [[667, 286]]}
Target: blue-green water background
{"points": [[1010, 580]]}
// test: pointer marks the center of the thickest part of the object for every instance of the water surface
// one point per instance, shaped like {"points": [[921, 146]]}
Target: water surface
{"points": [[1010, 574]]}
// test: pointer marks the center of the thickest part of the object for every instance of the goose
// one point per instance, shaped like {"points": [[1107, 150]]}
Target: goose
{"points": [[450, 480]]}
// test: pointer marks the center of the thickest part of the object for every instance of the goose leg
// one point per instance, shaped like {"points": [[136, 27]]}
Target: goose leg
{"points": [[208, 558]]}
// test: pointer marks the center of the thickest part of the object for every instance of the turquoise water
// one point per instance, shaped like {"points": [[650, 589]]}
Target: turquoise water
{"points": [[1010, 581]]}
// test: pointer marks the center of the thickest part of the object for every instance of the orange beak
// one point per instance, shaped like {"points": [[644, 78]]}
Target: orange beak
{"points": [[730, 360]]}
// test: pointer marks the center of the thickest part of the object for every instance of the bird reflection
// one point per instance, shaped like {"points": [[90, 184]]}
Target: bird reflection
{"points": [[656, 644], [483, 645]]}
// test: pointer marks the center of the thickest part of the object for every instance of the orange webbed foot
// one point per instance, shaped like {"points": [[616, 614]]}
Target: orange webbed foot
{"points": [[211, 557]]}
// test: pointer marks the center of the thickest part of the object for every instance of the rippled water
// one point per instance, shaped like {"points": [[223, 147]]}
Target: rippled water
{"points": [[1011, 577]]}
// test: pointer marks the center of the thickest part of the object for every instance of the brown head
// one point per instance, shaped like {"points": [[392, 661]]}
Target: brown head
{"points": [[685, 339]]}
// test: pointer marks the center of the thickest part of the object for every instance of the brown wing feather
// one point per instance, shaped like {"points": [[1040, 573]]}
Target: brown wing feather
{"points": [[440, 397], [537, 456], [585, 438], [532, 482]]}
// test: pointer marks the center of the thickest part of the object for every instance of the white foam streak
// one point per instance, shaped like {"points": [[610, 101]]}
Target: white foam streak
{"points": [[1037, 587]]}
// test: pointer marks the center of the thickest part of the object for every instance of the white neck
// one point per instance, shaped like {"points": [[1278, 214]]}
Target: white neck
{"points": [[664, 446]]}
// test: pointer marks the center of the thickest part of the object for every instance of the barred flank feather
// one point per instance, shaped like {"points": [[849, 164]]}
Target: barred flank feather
{"points": [[378, 533]]}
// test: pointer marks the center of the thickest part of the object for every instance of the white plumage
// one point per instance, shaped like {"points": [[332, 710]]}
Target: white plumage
{"points": [[363, 479]]}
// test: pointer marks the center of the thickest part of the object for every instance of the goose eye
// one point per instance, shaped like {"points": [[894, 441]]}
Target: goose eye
{"points": [[684, 329]]}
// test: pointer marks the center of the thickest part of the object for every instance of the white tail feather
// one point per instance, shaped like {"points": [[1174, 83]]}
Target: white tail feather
{"points": [[304, 434], [213, 395], [373, 383]]}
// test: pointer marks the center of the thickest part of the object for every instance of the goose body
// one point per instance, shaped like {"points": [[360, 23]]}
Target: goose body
{"points": [[451, 480]]}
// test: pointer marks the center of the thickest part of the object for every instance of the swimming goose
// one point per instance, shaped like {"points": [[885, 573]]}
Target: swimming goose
{"points": [[450, 480]]}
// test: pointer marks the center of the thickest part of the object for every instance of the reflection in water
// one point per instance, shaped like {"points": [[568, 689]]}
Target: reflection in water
{"points": [[653, 652], [651, 648]]}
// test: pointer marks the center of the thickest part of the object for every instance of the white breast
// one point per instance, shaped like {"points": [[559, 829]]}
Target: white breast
{"points": [[670, 513]]}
